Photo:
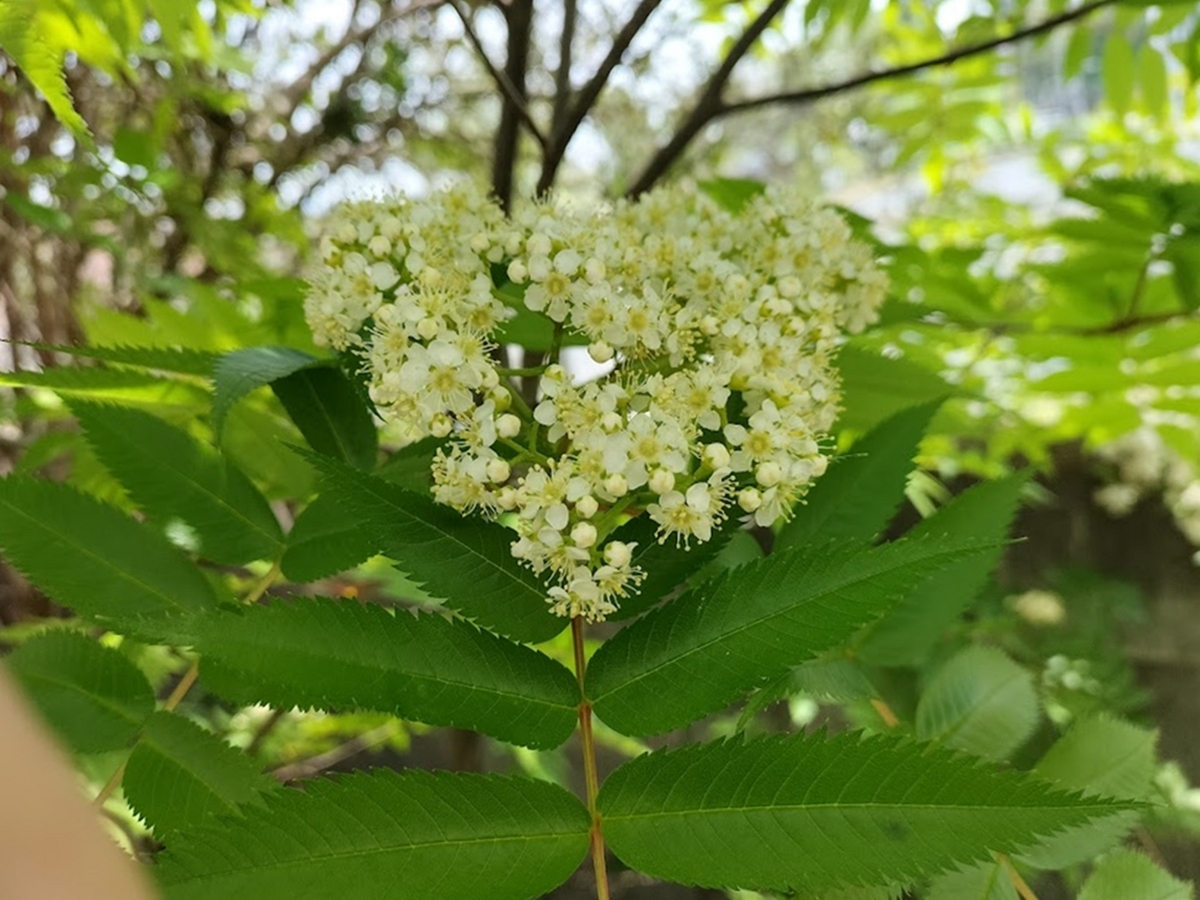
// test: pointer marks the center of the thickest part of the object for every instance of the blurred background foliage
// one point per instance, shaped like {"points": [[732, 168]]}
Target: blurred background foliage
{"points": [[1028, 169]]}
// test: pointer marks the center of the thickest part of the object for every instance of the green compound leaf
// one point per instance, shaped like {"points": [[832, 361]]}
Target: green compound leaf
{"points": [[702, 651], [862, 490], [180, 776], [172, 476], [93, 697], [983, 882], [95, 559], [241, 371], [980, 701], [388, 836], [331, 655], [1098, 755], [179, 360], [464, 561], [909, 631], [41, 64], [331, 415], [875, 387], [325, 539], [809, 812], [1126, 875]]}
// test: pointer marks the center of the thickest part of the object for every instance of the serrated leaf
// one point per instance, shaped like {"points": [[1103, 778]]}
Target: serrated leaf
{"points": [[345, 656], [980, 701], [666, 565], [983, 882], [172, 476], [862, 490], [702, 651], [909, 631], [1102, 756], [325, 540], [328, 411], [93, 697], [180, 776], [239, 372], [22, 40], [164, 359], [1125, 875], [388, 836], [95, 559], [467, 562], [875, 387], [73, 380], [832, 681], [813, 811]]}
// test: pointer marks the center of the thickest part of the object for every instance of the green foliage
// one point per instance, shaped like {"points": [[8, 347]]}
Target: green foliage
{"points": [[174, 477], [1126, 874], [345, 656], [327, 409], [1099, 755], [860, 493], [807, 812], [239, 372], [41, 63], [464, 561], [95, 559], [980, 701], [93, 697], [325, 539], [406, 836], [875, 387], [908, 632], [724, 638], [179, 777], [988, 881]]}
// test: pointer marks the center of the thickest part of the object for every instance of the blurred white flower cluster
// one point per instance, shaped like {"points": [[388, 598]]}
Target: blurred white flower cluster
{"points": [[1144, 465], [716, 331]]}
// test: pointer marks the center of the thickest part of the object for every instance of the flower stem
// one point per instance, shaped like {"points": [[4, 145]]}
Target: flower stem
{"points": [[591, 779]]}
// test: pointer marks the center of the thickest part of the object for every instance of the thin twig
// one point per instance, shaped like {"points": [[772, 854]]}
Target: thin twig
{"points": [[1014, 876], [709, 105], [264, 730], [810, 95], [587, 742], [565, 130], [306, 768], [710, 108], [502, 80]]}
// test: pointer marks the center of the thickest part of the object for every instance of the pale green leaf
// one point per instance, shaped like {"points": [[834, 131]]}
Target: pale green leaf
{"points": [[987, 881], [464, 561], [1126, 875], [1102, 756], [875, 387], [387, 836], [173, 477], [1117, 72], [860, 493], [93, 697], [180, 776], [164, 359], [1152, 80], [346, 656], [979, 701], [813, 811], [707, 648], [95, 559], [40, 63]]}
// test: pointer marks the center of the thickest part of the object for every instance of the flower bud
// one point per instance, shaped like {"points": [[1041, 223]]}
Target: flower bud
{"points": [[584, 535], [498, 470], [616, 485], [441, 425], [600, 351], [586, 506], [749, 499], [662, 481], [716, 456], [508, 426], [618, 554], [768, 474]]}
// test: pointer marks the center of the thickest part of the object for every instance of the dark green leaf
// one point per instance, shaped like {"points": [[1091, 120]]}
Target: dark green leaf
{"points": [[860, 493], [812, 811], [388, 836], [180, 776], [95, 559], [464, 561], [345, 656], [172, 476], [327, 409], [325, 540], [91, 696], [702, 651], [241, 371]]}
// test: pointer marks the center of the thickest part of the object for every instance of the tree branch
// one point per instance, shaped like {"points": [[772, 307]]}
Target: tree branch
{"points": [[810, 95], [519, 14], [565, 129], [709, 106], [502, 80], [562, 75]]}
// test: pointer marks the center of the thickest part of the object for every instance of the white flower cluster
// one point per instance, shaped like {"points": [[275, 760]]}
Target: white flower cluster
{"points": [[1145, 465], [717, 331]]}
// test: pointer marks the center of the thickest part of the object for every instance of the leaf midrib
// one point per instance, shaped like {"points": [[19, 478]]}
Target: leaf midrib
{"points": [[75, 687], [876, 805], [767, 617], [329, 423], [121, 573]]}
